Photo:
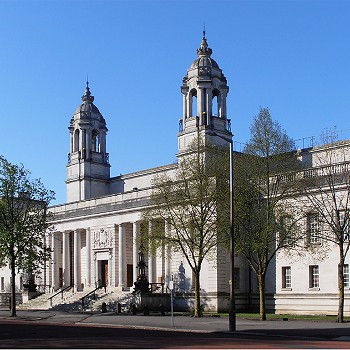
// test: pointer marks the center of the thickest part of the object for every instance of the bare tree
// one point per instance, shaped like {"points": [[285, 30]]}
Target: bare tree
{"points": [[194, 201], [23, 222], [326, 187], [264, 184]]}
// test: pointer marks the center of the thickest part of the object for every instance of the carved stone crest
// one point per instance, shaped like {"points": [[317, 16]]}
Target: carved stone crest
{"points": [[102, 238]]}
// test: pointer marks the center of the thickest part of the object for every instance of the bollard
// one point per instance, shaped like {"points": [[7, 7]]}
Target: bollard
{"points": [[146, 310], [104, 307], [133, 308], [119, 308]]}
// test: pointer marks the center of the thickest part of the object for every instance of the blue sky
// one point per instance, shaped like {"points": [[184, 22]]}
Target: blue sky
{"points": [[290, 56]]}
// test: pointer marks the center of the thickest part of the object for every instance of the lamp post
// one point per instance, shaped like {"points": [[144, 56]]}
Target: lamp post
{"points": [[232, 306]]}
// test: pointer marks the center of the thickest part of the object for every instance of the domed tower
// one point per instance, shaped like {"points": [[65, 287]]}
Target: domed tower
{"points": [[204, 90], [88, 169]]}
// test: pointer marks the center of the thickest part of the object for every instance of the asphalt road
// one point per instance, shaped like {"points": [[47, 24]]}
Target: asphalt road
{"points": [[48, 329]]}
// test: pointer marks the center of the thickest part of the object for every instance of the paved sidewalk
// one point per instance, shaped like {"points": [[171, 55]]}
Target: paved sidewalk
{"points": [[291, 328]]}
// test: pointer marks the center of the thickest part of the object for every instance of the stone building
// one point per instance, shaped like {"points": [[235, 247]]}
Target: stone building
{"points": [[95, 234], [95, 238]]}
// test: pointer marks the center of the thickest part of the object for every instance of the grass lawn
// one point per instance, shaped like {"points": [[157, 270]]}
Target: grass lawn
{"points": [[269, 316]]}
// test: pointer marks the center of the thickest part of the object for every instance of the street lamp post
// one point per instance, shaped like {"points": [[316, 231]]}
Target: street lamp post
{"points": [[232, 306]]}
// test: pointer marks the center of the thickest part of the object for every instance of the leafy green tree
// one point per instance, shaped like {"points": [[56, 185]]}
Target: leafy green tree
{"points": [[264, 222], [23, 222], [194, 202], [326, 189]]}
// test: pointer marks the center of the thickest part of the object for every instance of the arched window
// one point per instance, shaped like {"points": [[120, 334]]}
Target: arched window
{"points": [[76, 141], [193, 103], [95, 141], [215, 103]]}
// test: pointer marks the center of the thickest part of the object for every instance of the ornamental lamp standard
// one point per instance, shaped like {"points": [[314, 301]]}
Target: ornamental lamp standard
{"points": [[232, 307]]}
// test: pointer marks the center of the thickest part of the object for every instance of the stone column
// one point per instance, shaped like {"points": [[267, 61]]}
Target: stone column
{"points": [[152, 274], [88, 257], [122, 261], [224, 111], [189, 101], [200, 105], [135, 248], [77, 263], [54, 257], [71, 142], [65, 259]]}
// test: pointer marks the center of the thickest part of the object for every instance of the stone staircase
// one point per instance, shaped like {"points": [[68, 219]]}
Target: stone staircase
{"points": [[112, 299], [39, 303], [70, 301]]}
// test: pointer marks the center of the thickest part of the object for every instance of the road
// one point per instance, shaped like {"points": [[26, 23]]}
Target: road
{"points": [[47, 329]]}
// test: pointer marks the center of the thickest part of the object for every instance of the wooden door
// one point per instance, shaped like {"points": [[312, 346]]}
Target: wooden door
{"points": [[129, 275], [104, 273], [60, 277]]}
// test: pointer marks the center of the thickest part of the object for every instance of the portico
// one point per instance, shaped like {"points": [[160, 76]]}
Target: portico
{"points": [[86, 258]]}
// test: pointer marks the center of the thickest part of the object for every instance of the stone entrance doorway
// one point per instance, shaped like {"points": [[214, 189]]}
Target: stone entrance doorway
{"points": [[104, 273], [129, 275]]}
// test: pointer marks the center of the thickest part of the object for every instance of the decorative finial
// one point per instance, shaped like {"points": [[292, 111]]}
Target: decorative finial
{"points": [[87, 96], [204, 50]]}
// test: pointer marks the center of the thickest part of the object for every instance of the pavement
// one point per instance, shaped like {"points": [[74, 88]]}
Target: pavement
{"points": [[326, 330]]}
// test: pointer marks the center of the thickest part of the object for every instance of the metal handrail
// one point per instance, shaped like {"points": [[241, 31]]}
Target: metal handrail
{"points": [[90, 293], [60, 291]]}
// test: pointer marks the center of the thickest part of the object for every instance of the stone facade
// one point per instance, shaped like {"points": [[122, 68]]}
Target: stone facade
{"points": [[95, 234]]}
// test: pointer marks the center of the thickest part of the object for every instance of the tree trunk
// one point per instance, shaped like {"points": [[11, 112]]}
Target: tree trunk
{"points": [[197, 297], [13, 288], [261, 280], [340, 317]]}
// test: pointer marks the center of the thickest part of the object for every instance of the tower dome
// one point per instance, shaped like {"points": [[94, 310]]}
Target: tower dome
{"points": [[204, 59], [87, 110], [204, 89], [88, 169]]}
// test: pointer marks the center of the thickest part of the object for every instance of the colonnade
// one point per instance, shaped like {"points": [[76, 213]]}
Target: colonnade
{"points": [[77, 257]]}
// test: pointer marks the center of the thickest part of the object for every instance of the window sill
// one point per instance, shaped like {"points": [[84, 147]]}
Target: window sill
{"points": [[315, 289], [286, 289]]}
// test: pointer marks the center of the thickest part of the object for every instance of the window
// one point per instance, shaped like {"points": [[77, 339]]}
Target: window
{"points": [[286, 234], [2, 284], [286, 277], [236, 278], [314, 276], [95, 141], [346, 276], [344, 223], [313, 228]]}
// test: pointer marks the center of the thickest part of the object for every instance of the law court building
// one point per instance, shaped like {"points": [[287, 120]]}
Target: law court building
{"points": [[95, 243], [95, 240]]}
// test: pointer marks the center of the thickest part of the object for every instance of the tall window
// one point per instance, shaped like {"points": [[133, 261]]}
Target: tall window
{"points": [[314, 276], [215, 103], [95, 141], [344, 223], [76, 141], [2, 284], [286, 231], [286, 277], [193, 103], [346, 276], [313, 228]]}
